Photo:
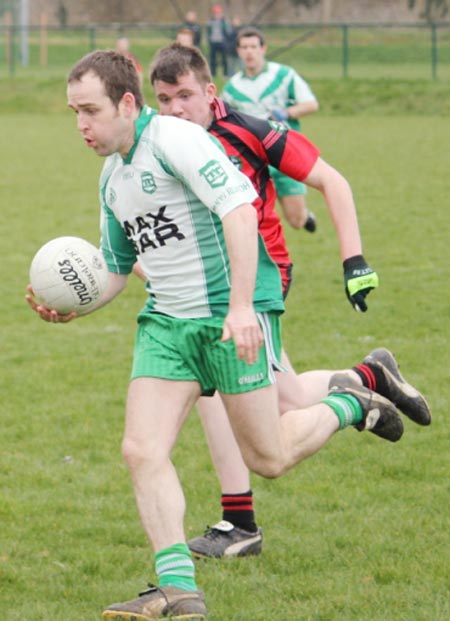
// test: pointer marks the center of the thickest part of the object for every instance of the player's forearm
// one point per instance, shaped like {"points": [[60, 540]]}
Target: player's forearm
{"points": [[116, 284], [302, 109], [342, 211], [340, 204], [139, 272], [241, 237]]}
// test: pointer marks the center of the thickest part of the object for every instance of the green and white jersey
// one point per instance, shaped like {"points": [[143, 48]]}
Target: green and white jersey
{"points": [[276, 86], [163, 205]]}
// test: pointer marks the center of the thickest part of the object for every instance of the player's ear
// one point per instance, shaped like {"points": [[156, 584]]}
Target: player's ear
{"points": [[127, 104], [211, 91]]}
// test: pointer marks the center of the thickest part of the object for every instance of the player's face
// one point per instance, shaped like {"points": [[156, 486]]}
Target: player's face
{"points": [[187, 99], [105, 128], [252, 53]]}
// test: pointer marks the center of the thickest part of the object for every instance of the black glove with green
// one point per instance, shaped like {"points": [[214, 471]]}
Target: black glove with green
{"points": [[359, 279]]}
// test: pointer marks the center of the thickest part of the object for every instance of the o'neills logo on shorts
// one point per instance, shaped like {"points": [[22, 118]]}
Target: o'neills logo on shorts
{"points": [[251, 379]]}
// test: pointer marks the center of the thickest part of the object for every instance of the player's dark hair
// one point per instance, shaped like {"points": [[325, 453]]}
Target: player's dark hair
{"points": [[176, 60], [250, 31], [117, 73]]}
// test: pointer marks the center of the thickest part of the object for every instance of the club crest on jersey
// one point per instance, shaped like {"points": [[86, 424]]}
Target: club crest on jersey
{"points": [[281, 128], [148, 182], [236, 161], [214, 174], [112, 196]]}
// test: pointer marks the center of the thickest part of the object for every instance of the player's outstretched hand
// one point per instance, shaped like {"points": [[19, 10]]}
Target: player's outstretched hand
{"points": [[47, 314], [241, 325], [359, 279]]}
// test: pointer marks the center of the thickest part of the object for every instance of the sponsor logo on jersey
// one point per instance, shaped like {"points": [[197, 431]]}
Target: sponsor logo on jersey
{"points": [[214, 174], [148, 182], [152, 230]]}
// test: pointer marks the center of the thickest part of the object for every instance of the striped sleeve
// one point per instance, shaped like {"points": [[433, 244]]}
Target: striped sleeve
{"points": [[116, 248]]}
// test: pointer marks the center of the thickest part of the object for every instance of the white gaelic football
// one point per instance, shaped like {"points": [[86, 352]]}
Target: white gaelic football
{"points": [[68, 274]]}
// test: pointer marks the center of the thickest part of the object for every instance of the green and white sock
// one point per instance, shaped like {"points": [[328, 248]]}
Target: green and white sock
{"points": [[346, 407], [175, 567]]}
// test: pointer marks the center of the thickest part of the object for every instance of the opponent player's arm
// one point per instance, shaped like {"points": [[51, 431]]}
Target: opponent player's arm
{"points": [[340, 203], [295, 156], [240, 228], [359, 278]]}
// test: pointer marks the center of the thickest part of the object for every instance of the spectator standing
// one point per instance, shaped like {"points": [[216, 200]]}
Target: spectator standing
{"points": [[191, 23], [218, 32], [62, 14], [123, 47], [233, 60]]}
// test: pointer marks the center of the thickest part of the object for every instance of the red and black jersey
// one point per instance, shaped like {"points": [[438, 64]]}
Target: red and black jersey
{"points": [[253, 144]]}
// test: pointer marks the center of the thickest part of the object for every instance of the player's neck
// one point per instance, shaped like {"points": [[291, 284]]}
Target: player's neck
{"points": [[129, 134], [252, 71], [127, 142], [209, 120]]}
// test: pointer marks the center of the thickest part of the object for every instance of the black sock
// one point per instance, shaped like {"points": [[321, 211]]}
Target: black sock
{"points": [[238, 510], [372, 377]]}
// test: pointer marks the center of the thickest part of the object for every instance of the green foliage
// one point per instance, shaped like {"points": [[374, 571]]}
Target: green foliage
{"points": [[360, 531], [7, 5], [307, 4]]}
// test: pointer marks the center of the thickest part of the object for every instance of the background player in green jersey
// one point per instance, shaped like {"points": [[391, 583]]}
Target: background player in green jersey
{"points": [[172, 201], [267, 90]]}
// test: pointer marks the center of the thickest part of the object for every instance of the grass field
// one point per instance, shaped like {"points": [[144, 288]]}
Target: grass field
{"points": [[357, 533]]}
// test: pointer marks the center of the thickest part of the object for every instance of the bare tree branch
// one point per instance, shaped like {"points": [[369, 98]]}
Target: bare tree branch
{"points": [[291, 43], [265, 7], [178, 10]]}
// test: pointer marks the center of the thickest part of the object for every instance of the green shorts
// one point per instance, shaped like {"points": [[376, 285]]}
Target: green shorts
{"points": [[286, 186], [191, 350]]}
